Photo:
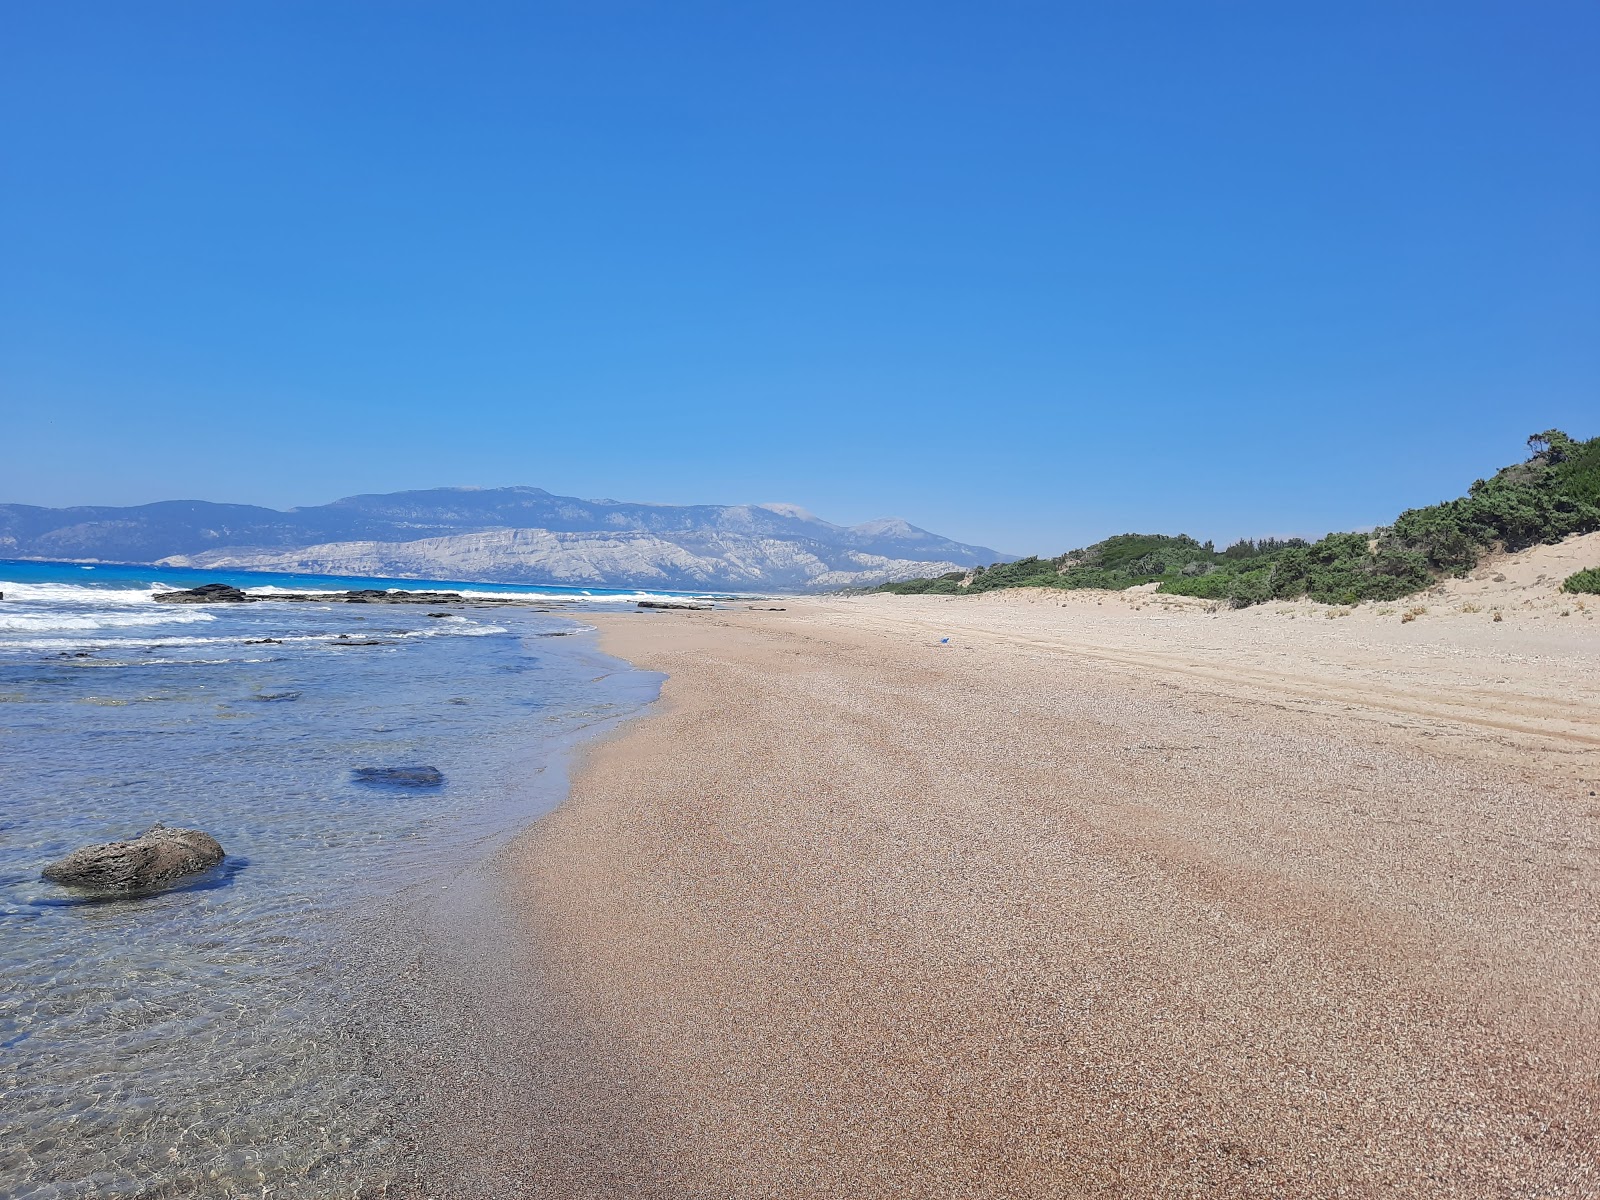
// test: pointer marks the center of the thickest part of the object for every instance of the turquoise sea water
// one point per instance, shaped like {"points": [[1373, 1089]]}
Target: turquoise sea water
{"points": [[212, 1040]]}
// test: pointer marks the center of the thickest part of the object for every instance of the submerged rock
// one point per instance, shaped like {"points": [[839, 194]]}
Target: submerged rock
{"points": [[412, 777], [156, 858], [672, 604]]}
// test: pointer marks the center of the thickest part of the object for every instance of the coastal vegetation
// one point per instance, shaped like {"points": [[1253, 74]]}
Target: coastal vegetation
{"points": [[1552, 494], [1583, 582]]}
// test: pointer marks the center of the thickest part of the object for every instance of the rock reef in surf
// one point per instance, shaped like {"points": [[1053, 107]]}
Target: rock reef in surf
{"points": [[223, 593]]}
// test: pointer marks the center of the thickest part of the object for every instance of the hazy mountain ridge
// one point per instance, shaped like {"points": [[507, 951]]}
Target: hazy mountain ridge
{"points": [[519, 534]]}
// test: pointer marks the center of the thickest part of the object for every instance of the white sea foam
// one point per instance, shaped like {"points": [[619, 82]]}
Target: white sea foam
{"points": [[472, 630], [463, 629], [121, 643], [575, 598], [64, 622], [88, 663], [489, 593], [72, 593], [141, 593]]}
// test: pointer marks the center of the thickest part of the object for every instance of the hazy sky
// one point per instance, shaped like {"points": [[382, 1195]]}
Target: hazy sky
{"points": [[1025, 274]]}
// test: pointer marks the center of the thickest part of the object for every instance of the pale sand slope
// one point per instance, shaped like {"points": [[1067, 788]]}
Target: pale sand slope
{"points": [[1091, 901]]}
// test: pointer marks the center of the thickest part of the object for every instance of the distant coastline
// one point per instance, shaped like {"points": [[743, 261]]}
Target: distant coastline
{"points": [[504, 535]]}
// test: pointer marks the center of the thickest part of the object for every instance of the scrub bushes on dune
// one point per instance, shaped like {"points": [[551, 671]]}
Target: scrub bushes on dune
{"points": [[1554, 493], [1585, 582]]}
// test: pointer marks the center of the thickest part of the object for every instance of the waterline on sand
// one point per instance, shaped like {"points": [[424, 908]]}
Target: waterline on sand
{"points": [[223, 1037]]}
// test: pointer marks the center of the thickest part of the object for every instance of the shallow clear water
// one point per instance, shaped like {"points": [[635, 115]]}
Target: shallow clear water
{"points": [[212, 1040]]}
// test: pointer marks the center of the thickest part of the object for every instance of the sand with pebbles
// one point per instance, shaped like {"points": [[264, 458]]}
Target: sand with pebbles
{"points": [[1100, 897]]}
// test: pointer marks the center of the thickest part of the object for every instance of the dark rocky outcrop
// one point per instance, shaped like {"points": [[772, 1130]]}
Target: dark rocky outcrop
{"points": [[206, 593], [222, 593], [408, 777], [672, 604], [157, 858]]}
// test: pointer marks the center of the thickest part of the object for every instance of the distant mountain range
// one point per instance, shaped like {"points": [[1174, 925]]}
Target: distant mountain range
{"points": [[506, 535]]}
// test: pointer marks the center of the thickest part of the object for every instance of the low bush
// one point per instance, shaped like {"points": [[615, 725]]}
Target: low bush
{"points": [[1585, 582], [1208, 587], [942, 585]]}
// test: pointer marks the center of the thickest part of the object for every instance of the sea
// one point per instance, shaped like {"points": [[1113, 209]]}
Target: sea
{"points": [[212, 1040]]}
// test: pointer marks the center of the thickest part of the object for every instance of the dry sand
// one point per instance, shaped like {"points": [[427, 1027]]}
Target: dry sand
{"points": [[1103, 897]]}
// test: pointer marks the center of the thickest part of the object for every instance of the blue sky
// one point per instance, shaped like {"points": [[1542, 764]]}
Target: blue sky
{"points": [[1025, 274]]}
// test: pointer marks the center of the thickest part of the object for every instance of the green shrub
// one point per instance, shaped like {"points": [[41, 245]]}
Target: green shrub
{"points": [[943, 585], [1578, 473], [1143, 553], [1250, 587], [1587, 582], [1025, 572], [1208, 587]]}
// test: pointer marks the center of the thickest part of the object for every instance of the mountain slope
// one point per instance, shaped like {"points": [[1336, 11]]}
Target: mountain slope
{"points": [[519, 534]]}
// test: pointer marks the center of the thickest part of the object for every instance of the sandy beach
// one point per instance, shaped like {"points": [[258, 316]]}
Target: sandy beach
{"points": [[1103, 896]]}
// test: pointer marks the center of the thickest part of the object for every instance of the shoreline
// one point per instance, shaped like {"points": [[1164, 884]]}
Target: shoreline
{"points": [[455, 1016], [257, 1031], [1069, 906]]}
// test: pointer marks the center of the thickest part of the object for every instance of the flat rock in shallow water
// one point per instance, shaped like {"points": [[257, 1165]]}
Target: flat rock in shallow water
{"points": [[155, 859], [412, 777]]}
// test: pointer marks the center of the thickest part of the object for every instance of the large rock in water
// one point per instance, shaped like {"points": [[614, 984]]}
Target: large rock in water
{"points": [[156, 858]]}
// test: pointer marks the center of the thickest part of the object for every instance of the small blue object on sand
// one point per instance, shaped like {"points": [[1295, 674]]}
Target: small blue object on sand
{"points": [[944, 641]]}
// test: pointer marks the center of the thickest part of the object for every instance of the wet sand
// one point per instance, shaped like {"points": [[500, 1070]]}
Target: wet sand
{"points": [[1102, 897]]}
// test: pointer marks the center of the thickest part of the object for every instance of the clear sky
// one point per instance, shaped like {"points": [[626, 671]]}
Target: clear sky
{"points": [[1026, 274]]}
